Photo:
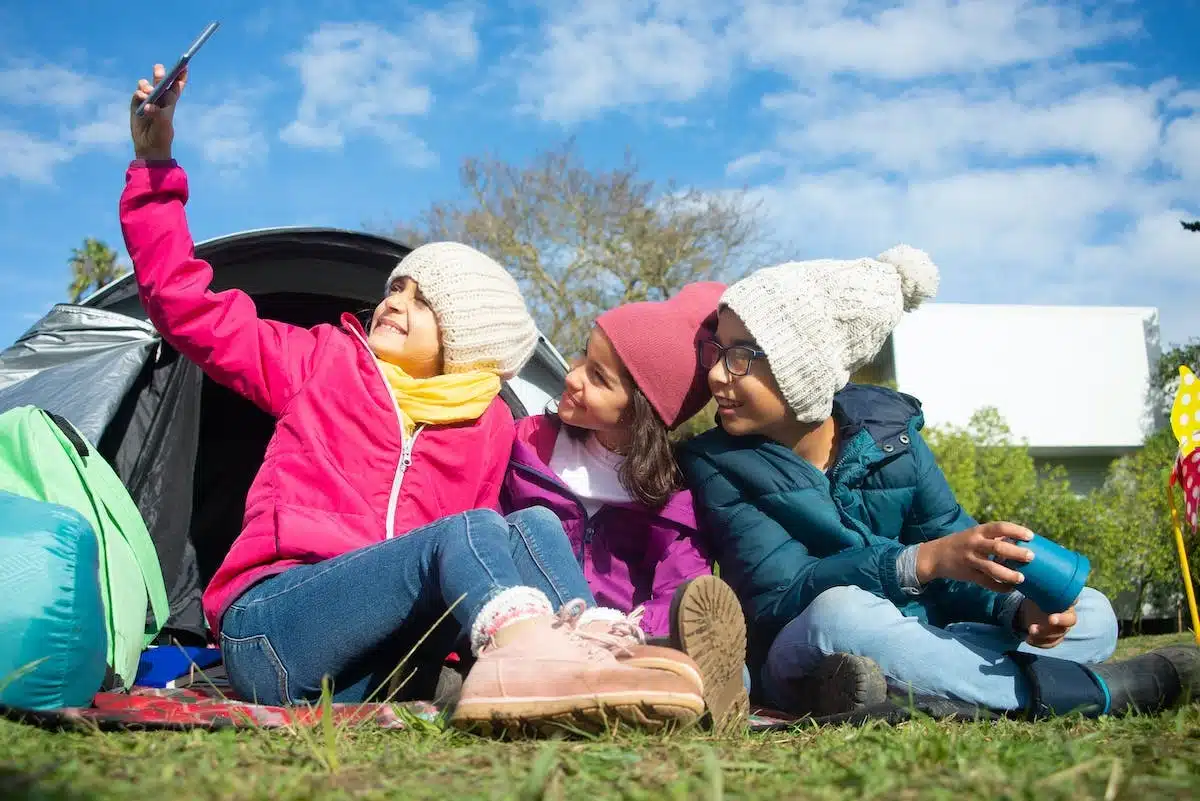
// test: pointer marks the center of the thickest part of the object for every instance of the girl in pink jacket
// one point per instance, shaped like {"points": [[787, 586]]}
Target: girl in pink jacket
{"points": [[605, 464], [373, 520]]}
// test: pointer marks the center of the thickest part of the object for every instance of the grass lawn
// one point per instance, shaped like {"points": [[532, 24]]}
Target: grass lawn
{"points": [[1136, 758]]}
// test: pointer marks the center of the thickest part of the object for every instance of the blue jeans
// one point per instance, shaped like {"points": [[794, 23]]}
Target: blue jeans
{"points": [[963, 661], [356, 616]]}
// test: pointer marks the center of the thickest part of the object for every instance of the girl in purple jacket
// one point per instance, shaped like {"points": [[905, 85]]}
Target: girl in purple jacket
{"points": [[605, 464]]}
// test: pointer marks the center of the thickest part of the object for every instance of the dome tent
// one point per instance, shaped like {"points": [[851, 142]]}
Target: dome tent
{"points": [[185, 447]]}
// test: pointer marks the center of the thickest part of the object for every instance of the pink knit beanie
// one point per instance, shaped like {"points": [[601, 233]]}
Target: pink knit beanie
{"points": [[658, 343]]}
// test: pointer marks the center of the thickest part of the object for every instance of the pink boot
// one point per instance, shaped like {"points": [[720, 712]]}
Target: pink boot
{"points": [[537, 672], [622, 634]]}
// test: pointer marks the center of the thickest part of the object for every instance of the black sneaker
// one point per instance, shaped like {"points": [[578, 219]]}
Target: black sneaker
{"points": [[839, 683], [707, 624]]}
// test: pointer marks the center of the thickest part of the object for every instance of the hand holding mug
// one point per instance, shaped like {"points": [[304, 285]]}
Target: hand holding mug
{"points": [[976, 555], [1043, 630]]}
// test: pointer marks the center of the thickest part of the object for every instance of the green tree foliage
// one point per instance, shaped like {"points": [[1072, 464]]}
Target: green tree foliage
{"points": [[1135, 535], [1164, 381], [93, 265], [1124, 527]]}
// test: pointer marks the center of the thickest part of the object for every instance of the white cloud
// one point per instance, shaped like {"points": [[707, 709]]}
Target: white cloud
{"points": [[360, 79], [50, 85], [1189, 100], [93, 115], [596, 57], [901, 41], [1181, 148], [592, 57], [991, 132], [753, 162], [226, 134], [940, 129], [106, 128], [1030, 235], [28, 158]]}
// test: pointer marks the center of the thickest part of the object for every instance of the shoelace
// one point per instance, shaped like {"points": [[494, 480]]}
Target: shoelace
{"points": [[596, 641], [631, 626]]}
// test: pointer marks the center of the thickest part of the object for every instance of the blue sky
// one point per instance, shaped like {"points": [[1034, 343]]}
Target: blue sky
{"points": [[1042, 152]]}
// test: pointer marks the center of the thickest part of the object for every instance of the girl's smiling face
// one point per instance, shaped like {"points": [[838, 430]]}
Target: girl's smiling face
{"points": [[598, 391], [404, 331]]}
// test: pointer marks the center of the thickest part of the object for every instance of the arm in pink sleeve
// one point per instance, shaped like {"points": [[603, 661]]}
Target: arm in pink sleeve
{"points": [[263, 360]]}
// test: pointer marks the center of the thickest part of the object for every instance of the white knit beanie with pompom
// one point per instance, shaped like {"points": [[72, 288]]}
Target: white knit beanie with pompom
{"points": [[484, 322], [820, 321]]}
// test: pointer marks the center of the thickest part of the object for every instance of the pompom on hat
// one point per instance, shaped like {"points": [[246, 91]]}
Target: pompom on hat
{"points": [[481, 313], [658, 343], [820, 321]]}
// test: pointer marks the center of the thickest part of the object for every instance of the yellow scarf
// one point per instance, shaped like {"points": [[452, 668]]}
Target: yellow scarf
{"points": [[443, 399]]}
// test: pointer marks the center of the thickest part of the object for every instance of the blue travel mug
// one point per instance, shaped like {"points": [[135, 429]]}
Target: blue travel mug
{"points": [[1055, 577]]}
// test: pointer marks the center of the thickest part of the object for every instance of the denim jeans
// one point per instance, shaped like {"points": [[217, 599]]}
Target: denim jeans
{"points": [[962, 661], [356, 616]]}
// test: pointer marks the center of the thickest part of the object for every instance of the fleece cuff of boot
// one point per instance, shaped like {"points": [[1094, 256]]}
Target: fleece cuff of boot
{"points": [[507, 606]]}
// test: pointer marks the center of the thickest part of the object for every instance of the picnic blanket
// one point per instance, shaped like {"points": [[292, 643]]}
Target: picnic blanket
{"points": [[173, 708], [187, 689]]}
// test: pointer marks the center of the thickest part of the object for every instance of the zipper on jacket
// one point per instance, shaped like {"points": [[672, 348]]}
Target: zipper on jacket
{"points": [[407, 451], [589, 529], [406, 443], [833, 474]]}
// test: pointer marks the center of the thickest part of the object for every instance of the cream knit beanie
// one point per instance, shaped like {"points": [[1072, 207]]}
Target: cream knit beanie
{"points": [[479, 307], [819, 321]]}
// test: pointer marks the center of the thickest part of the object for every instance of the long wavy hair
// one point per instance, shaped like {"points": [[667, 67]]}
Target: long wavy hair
{"points": [[649, 471]]}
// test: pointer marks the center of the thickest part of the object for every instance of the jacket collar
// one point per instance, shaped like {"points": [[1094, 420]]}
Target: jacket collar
{"points": [[540, 432], [353, 325], [875, 425], [889, 418], [534, 448]]}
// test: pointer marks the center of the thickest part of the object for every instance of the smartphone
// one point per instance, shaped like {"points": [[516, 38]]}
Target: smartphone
{"points": [[160, 91]]}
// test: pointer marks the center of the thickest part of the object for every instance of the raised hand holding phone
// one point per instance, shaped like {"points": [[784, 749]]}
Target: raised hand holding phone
{"points": [[156, 97], [154, 131], [153, 107]]}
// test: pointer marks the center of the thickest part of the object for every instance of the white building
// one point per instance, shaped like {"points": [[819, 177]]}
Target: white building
{"points": [[1071, 381]]}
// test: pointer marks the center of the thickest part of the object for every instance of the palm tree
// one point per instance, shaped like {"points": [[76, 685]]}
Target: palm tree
{"points": [[1190, 226], [93, 265]]}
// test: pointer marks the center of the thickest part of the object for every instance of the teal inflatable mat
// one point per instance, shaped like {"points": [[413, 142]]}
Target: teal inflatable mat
{"points": [[52, 634]]}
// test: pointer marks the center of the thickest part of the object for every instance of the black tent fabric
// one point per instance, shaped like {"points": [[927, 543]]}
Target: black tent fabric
{"points": [[186, 448]]}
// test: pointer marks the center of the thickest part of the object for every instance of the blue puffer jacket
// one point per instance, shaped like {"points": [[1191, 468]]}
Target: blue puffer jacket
{"points": [[784, 531]]}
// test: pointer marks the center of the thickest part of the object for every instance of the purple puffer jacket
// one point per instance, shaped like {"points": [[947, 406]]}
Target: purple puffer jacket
{"points": [[631, 555]]}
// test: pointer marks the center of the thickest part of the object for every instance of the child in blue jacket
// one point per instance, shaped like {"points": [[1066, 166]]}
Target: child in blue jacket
{"points": [[856, 567]]}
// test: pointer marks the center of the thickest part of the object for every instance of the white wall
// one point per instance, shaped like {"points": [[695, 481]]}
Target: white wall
{"points": [[1063, 377]]}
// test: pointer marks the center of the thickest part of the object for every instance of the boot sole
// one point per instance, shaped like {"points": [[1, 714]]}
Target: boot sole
{"points": [[840, 683], [707, 624], [592, 714], [670, 665]]}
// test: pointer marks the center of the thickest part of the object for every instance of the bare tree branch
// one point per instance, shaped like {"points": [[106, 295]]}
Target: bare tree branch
{"points": [[580, 241]]}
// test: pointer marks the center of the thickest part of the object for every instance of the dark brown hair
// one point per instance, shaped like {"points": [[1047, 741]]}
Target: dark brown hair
{"points": [[649, 471]]}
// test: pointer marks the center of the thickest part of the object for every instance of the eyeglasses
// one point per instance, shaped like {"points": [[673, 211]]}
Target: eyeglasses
{"points": [[738, 358]]}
